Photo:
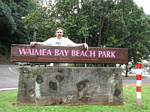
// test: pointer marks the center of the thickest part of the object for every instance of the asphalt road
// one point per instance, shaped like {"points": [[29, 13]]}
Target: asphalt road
{"points": [[9, 78]]}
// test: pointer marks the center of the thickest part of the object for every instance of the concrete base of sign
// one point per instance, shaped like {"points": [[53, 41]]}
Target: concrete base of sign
{"points": [[70, 85]]}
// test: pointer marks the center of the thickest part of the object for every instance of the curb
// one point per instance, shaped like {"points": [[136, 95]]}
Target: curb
{"points": [[7, 89]]}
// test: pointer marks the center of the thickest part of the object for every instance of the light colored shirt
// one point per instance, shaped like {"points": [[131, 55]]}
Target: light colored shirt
{"points": [[58, 42], [54, 41]]}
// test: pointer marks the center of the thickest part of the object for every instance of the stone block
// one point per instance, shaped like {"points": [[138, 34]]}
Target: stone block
{"points": [[70, 85]]}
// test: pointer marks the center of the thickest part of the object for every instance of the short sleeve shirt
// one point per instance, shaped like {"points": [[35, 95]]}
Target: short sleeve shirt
{"points": [[58, 42]]}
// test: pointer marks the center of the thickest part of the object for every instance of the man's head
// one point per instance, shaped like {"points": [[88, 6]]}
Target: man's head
{"points": [[59, 33]]}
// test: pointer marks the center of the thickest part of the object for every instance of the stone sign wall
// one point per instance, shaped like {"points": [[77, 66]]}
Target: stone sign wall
{"points": [[70, 85]]}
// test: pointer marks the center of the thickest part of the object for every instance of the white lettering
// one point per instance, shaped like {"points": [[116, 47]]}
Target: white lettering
{"points": [[61, 52], [107, 54], [22, 51], [49, 52]]}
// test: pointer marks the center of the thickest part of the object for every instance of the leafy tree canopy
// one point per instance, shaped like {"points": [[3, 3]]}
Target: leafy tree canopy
{"points": [[11, 22]]}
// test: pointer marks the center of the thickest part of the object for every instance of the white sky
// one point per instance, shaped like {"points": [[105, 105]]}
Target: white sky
{"points": [[145, 4]]}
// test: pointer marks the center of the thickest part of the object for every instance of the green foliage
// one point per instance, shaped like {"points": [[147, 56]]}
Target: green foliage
{"points": [[136, 26], [7, 23], [40, 23], [11, 22]]}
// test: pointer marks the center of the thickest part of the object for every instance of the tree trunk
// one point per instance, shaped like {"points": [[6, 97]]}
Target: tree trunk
{"points": [[99, 44]]}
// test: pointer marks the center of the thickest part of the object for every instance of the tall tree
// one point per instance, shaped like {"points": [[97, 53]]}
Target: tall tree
{"points": [[11, 24]]}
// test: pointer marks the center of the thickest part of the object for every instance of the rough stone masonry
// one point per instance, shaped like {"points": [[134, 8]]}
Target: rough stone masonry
{"points": [[70, 85]]}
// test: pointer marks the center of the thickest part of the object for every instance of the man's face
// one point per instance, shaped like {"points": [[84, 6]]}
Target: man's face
{"points": [[59, 33]]}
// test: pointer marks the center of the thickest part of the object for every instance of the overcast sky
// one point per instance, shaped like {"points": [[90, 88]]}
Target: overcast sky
{"points": [[145, 4]]}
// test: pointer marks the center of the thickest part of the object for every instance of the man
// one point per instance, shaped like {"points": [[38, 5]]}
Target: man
{"points": [[59, 40]]}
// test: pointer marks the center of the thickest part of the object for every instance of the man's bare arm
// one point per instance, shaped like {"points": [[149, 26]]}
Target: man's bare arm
{"points": [[82, 44], [35, 43]]}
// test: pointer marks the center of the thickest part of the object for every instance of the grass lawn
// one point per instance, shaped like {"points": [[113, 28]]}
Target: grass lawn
{"points": [[8, 100]]}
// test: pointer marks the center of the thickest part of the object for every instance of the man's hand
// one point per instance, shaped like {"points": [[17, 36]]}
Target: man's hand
{"points": [[35, 43], [85, 46]]}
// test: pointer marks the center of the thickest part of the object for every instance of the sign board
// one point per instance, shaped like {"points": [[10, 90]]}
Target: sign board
{"points": [[42, 54]]}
